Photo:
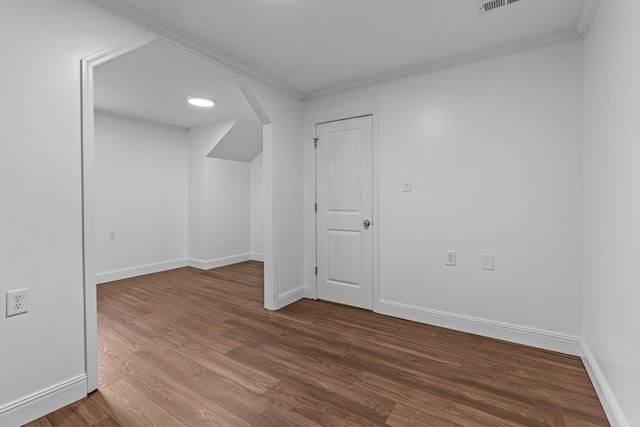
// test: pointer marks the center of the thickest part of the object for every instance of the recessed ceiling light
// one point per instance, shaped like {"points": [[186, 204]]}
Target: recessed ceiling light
{"points": [[200, 101]]}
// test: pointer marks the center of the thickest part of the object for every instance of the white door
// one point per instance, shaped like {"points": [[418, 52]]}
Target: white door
{"points": [[344, 196]]}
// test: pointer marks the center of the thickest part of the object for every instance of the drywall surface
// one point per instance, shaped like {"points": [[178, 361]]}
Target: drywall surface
{"points": [[228, 208], [41, 191], [493, 149], [257, 209], [140, 194], [219, 199], [242, 143], [283, 167], [611, 319], [200, 142]]}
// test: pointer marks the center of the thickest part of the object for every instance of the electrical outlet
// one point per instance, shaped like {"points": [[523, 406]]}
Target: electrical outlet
{"points": [[450, 258], [17, 302]]}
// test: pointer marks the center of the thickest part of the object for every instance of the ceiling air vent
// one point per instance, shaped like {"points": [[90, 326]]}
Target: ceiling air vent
{"points": [[486, 6]]}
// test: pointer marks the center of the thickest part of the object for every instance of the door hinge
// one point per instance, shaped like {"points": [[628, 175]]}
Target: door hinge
{"points": [[316, 270], [315, 142], [315, 207]]}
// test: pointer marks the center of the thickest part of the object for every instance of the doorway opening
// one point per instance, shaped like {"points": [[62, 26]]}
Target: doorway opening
{"points": [[225, 127]]}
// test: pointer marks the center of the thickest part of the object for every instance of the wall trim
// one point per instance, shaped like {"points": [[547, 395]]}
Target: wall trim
{"points": [[131, 14], [43, 402], [504, 331], [139, 120], [290, 297], [219, 262], [605, 394], [140, 270], [587, 13], [87, 117], [271, 240], [509, 48], [256, 257]]}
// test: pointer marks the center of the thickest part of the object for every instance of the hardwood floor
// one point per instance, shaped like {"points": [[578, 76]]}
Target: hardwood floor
{"points": [[196, 348]]}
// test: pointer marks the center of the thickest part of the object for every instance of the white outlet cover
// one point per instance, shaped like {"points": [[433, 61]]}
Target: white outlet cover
{"points": [[17, 302]]}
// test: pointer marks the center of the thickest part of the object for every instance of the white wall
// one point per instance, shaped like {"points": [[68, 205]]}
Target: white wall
{"points": [[494, 151], [257, 209], [283, 231], [228, 209], [198, 147], [493, 142], [219, 202], [611, 320], [41, 193], [141, 194], [40, 175]]}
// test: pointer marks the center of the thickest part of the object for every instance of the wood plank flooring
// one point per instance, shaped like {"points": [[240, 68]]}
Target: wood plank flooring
{"points": [[196, 348]]}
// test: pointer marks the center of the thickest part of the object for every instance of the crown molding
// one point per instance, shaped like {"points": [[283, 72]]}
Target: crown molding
{"points": [[184, 41], [169, 34], [532, 43], [587, 13], [139, 120], [120, 49]]}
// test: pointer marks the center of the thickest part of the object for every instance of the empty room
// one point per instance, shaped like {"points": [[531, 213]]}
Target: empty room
{"points": [[384, 213]]}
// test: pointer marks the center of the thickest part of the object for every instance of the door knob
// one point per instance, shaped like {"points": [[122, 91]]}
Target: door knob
{"points": [[366, 224]]}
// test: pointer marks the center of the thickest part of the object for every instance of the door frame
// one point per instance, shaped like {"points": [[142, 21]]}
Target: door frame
{"points": [[313, 256], [87, 118]]}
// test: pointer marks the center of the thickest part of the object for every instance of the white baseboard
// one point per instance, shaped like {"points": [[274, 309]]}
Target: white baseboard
{"points": [[504, 331], [220, 262], [126, 273], [607, 398], [44, 402], [290, 297]]}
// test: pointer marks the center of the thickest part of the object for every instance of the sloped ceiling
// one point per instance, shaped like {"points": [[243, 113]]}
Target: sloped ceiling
{"points": [[242, 142], [154, 81]]}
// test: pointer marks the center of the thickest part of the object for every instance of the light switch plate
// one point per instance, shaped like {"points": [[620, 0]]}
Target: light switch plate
{"points": [[450, 258], [406, 185], [488, 262]]}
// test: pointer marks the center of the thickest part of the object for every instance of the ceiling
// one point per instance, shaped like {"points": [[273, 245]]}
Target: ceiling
{"points": [[308, 47], [154, 81], [311, 45]]}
